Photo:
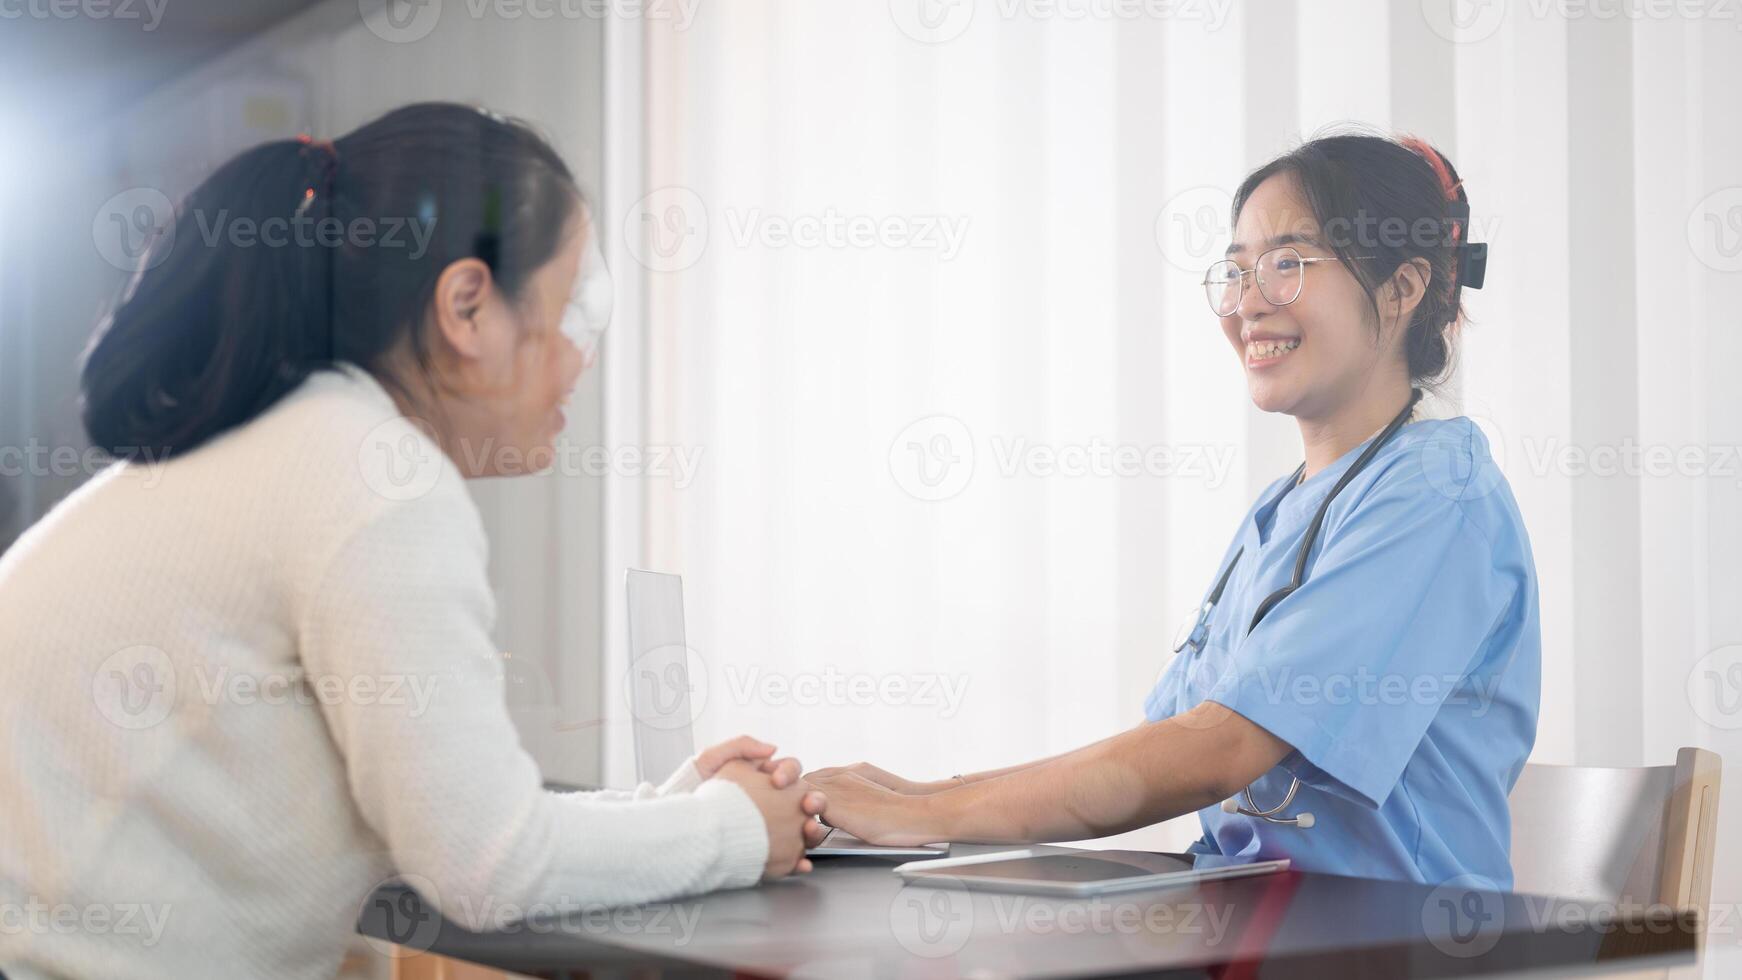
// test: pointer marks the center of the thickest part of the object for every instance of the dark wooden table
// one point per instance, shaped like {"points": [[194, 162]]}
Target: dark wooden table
{"points": [[853, 918]]}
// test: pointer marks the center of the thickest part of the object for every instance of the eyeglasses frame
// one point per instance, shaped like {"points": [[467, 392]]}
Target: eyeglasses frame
{"points": [[1253, 272]]}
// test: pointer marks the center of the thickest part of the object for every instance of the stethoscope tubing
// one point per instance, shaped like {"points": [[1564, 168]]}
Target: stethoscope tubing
{"points": [[1252, 809]]}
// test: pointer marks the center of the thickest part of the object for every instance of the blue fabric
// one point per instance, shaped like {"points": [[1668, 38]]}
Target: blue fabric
{"points": [[1405, 672]]}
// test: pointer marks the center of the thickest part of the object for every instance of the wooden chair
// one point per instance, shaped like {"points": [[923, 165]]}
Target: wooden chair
{"points": [[1632, 837], [1618, 835], [428, 966]]}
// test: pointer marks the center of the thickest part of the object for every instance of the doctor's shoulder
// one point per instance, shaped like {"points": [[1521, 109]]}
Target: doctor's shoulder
{"points": [[1445, 463]]}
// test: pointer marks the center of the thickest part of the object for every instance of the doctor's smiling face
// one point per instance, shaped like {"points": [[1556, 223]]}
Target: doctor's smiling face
{"points": [[1332, 344]]}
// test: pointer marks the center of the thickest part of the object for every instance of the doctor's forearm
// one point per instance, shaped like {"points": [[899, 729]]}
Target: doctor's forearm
{"points": [[979, 777], [1132, 780]]}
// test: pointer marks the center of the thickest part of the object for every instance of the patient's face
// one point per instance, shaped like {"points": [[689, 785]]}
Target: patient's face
{"points": [[511, 391]]}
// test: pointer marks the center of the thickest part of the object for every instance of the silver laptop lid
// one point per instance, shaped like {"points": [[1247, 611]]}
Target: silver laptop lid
{"points": [[658, 679]]}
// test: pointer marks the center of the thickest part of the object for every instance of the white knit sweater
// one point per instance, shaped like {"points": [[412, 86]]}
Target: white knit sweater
{"points": [[241, 689]]}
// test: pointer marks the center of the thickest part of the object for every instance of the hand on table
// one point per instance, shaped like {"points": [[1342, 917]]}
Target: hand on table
{"points": [[886, 779], [789, 808], [874, 812]]}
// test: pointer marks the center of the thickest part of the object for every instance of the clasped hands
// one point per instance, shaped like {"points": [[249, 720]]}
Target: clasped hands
{"points": [[788, 806]]}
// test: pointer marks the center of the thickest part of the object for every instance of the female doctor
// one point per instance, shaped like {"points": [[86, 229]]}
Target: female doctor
{"points": [[1358, 688]]}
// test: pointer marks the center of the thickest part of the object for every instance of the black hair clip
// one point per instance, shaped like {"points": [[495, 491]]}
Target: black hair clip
{"points": [[1472, 264]]}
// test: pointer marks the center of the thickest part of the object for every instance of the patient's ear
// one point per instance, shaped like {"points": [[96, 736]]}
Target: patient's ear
{"points": [[465, 297]]}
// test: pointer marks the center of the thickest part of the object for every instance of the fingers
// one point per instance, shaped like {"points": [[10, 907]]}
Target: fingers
{"points": [[746, 747], [743, 747], [814, 803], [814, 833], [783, 772]]}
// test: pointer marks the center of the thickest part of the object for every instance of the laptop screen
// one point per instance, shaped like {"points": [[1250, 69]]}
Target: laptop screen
{"points": [[658, 679]]}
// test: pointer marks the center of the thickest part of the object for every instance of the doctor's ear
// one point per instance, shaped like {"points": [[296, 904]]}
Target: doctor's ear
{"points": [[1406, 288]]}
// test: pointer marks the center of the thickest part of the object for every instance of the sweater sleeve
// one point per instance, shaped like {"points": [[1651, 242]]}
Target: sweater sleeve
{"points": [[684, 780], [396, 632]]}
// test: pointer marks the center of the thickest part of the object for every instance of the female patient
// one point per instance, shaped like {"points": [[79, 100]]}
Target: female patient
{"points": [[1358, 688], [248, 674]]}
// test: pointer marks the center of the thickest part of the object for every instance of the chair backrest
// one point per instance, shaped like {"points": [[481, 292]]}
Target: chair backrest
{"points": [[1618, 835]]}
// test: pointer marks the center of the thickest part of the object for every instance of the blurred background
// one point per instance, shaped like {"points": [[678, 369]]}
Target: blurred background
{"points": [[911, 376]]}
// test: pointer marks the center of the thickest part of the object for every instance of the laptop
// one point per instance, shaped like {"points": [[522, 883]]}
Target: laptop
{"points": [[659, 692]]}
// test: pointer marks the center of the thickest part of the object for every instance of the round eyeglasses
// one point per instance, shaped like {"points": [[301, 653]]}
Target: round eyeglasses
{"points": [[1279, 272]]}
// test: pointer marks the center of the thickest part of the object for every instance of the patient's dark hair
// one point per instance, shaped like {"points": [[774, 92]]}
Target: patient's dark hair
{"points": [[344, 243], [1394, 200]]}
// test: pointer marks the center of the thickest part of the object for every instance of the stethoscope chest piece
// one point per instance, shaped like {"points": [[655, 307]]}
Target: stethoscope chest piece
{"points": [[1302, 820]]}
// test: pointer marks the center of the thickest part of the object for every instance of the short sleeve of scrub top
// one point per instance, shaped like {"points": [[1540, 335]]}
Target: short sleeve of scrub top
{"points": [[1394, 612]]}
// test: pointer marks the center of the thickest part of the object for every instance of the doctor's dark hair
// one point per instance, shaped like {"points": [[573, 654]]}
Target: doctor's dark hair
{"points": [[1394, 200], [344, 243]]}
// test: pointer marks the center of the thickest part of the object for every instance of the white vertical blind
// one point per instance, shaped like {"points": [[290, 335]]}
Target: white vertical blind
{"points": [[1090, 158]]}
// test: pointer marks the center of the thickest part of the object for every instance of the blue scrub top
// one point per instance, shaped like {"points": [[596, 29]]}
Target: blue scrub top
{"points": [[1405, 672]]}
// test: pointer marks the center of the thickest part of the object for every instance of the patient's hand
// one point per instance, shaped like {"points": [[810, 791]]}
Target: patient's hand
{"points": [[789, 814], [783, 771], [883, 778]]}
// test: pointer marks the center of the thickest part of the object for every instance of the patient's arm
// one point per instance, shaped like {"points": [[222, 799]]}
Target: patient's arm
{"points": [[1133, 779]]}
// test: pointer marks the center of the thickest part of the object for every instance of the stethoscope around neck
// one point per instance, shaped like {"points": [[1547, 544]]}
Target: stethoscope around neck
{"points": [[1194, 632]]}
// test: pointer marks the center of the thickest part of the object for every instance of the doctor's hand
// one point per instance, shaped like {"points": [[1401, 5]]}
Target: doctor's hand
{"points": [[886, 779], [789, 813], [876, 813]]}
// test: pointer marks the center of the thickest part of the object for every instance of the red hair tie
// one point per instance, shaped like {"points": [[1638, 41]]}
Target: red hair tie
{"points": [[1472, 259], [1448, 186], [329, 168]]}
